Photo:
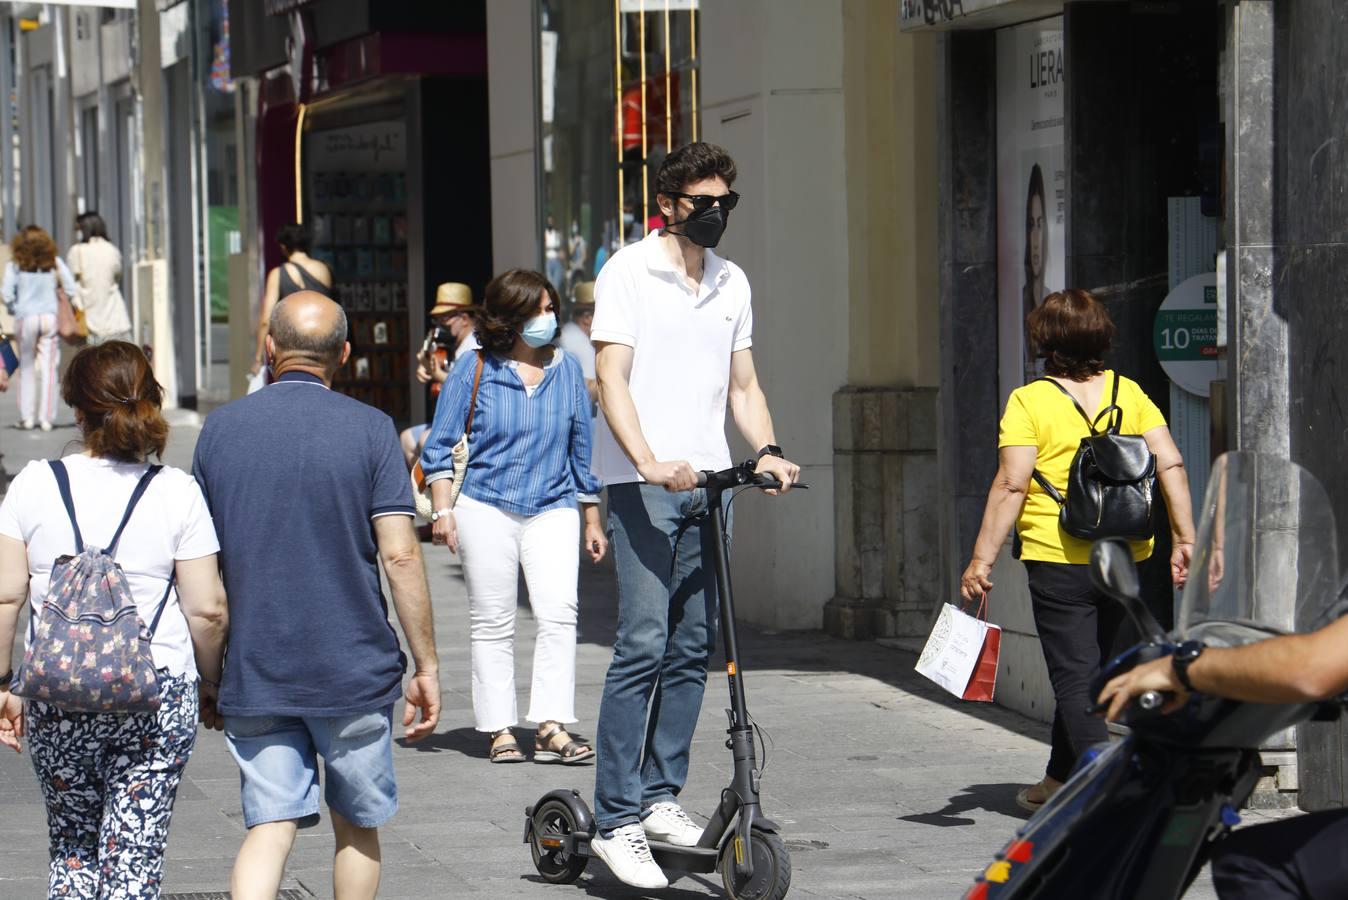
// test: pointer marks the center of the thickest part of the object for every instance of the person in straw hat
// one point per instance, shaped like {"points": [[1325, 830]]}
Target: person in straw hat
{"points": [[452, 335], [575, 337]]}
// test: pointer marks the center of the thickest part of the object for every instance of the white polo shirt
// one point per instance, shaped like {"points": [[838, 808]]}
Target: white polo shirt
{"points": [[682, 342]]}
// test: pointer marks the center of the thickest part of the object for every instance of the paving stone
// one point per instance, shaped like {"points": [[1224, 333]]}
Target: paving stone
{"points": [[884, 785]]}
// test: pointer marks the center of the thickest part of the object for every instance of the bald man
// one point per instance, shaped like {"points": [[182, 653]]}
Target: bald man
{"points": [[309, 494]]}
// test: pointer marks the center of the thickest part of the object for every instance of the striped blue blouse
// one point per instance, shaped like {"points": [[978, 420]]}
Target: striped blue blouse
{"points": [[527, 454]]}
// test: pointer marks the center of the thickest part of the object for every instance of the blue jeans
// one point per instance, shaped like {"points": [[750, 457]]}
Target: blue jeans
{"points": [[666, 635]]}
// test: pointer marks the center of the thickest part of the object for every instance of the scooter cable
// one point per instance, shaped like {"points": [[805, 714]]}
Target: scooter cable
{"points": [[765, 741]]}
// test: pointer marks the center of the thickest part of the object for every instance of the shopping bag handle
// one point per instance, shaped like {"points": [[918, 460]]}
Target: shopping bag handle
{"points": [[982, 611]]}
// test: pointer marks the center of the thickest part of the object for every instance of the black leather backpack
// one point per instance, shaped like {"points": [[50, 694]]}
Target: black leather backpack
{"points": [[1111, 482]]}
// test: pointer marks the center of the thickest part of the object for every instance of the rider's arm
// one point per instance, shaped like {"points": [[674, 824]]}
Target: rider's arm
{"points": [[1293, 669], [747, 403], [613, 368]]}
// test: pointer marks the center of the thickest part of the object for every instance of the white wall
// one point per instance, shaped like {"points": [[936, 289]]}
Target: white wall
{"points": [[771, 94], [512, 86]]}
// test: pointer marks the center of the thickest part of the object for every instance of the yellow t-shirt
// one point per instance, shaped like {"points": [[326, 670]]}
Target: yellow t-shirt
{"points": [[1041, 416]]}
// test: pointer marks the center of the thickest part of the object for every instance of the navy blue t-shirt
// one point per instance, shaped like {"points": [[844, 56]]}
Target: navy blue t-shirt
{"points": [[294, 475]]}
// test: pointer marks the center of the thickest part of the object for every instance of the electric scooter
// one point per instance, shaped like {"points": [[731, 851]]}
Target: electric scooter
{"points": [[739, 841], [1140, 817]]}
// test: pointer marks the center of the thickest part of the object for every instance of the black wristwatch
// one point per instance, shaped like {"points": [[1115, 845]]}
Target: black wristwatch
{"points": [[1182, 658], [5, 680], [771, 450]]}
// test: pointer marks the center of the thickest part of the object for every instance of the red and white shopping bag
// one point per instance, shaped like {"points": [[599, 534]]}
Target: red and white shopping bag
{"points": [[962, 653]]}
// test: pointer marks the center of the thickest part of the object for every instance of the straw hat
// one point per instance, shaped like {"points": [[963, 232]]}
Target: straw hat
{"points": [[583, 294], [451, 297]]}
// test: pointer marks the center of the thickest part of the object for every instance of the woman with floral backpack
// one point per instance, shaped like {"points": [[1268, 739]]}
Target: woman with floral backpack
{"points": [[109, 778]]}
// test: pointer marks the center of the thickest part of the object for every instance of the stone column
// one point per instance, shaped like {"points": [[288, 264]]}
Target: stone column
{"points": [[1258, 331], [1257, 417], [886, 506]]}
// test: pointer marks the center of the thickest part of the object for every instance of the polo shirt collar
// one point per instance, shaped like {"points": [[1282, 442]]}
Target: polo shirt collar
{"points": [[303, 377], [714, 269]]}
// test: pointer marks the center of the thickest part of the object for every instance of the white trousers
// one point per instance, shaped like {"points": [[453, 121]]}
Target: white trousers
{"points": [[39, 357], [494, 545]]}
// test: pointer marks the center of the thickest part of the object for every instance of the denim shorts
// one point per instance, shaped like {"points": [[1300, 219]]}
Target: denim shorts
{"points": [[278, 767]]}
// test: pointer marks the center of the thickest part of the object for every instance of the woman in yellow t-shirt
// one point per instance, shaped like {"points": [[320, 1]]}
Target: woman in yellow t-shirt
{"points": [[1041, 429]]}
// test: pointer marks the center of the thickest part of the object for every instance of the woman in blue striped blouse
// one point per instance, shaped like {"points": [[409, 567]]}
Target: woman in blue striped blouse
{"points": [[528, 467]]}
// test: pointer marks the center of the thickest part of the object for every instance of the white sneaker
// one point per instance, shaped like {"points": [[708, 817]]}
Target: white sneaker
{"points": [[44, 425], [669, 823], [629, 856]]}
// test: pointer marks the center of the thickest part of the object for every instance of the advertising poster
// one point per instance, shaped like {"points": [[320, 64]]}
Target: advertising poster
{"points": [[1031, 186]]}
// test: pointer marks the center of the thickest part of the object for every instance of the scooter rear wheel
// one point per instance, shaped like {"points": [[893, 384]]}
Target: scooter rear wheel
{"points": [[772, 868], [554, 819]]}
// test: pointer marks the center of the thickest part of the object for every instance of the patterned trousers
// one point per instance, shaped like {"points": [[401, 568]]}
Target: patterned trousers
{"points": [[109, 781]]}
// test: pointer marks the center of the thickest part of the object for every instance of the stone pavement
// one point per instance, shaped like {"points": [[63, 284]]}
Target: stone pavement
{"points": [[884, 785]]}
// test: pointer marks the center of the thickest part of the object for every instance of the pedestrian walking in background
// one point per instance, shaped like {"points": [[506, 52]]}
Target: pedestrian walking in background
{"points": [[451, 336], [31, 280], [97, 266], [1041, 429], [300, 272], [552, 254], [575, 336], [528, 467], [109, 779], [673, 330], [310, 495]]}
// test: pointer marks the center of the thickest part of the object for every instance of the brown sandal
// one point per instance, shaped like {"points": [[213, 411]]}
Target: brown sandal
{"points": [[506, 751], [571, 753]]}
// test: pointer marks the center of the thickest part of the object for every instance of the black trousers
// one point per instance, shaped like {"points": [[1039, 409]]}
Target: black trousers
{"points": [[1304, 858], [1079, 629]]}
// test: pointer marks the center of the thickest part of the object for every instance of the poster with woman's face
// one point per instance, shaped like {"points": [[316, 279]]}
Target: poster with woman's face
{"points": [[1031, 187]]}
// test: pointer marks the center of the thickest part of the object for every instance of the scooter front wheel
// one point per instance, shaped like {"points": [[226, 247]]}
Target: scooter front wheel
{"points": [[553, 820], [772, 868]]}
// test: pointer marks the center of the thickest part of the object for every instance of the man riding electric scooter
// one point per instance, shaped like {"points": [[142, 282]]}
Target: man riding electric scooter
{"points": [[1303, 858]]}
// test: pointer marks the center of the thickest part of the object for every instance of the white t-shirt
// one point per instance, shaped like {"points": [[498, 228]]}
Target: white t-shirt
{"points": [[171, 522], [682, 342]]}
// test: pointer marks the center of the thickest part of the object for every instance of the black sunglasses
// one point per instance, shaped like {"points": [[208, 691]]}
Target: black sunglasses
{"points": [[705, 201]]}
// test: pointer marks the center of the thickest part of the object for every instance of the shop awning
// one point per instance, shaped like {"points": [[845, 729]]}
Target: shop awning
{"points": [[952, 15]]}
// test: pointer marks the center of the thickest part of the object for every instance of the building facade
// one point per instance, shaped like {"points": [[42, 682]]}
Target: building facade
{"points": [[118, 110]]}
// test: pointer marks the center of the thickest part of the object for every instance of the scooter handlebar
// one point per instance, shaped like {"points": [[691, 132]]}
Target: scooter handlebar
{"points": [[743, 474]]}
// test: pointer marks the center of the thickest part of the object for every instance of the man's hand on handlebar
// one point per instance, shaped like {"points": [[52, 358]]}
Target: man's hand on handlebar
{"points": [[1156, 675], [785, 471], [672, 476]]}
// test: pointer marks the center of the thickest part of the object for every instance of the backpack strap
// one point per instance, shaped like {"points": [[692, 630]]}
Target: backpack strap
{"points": [[141, 487], [1049, 488], [1112, 413], [154, 624], [1068, 395], [58, 469]]}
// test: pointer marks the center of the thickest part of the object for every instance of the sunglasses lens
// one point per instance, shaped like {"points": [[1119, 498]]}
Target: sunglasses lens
{"points": [[729, 200]]}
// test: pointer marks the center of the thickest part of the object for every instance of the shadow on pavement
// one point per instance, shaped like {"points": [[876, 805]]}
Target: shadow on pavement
{"points": [[804, 654], [997, 798], [464, 741], [599, 882]]}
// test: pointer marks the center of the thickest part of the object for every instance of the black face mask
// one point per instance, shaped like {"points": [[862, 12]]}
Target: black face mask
{"points": [[704, 227]]}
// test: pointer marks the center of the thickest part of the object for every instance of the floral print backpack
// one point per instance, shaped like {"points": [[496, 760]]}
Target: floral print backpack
{"points": [[91, 652]]}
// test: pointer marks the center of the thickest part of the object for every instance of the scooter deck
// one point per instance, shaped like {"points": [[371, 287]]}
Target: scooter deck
{"points": [[670, 857]]}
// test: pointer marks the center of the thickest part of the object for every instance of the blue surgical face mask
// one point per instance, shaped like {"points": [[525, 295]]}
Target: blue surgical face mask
{"points": [[538, 331]]}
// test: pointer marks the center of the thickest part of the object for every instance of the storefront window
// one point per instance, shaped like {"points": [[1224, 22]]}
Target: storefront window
{"points": [[618, 89]]}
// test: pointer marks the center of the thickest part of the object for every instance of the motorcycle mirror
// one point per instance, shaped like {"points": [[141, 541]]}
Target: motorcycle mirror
{"points": [[1114, 573]]}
